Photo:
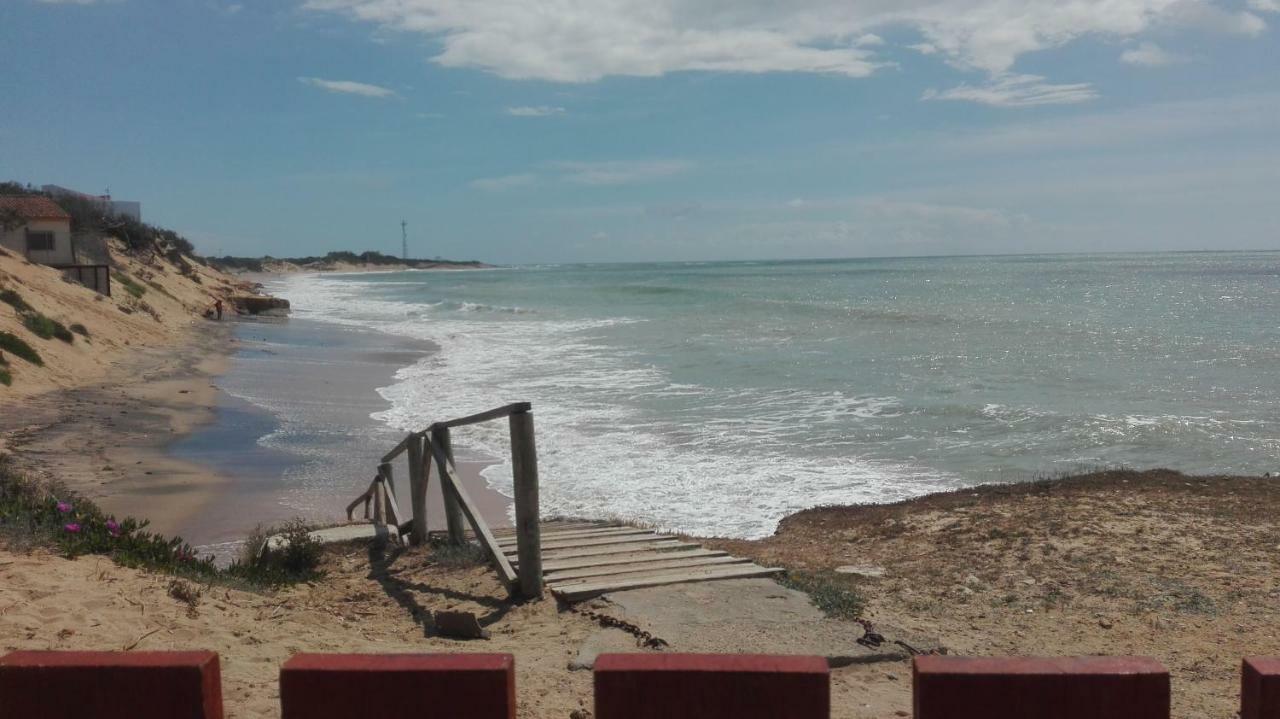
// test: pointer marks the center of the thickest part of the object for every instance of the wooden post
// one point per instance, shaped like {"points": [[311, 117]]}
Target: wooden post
{"points": [[417, 492], [524, 469], [379, 504], [452, 512]]}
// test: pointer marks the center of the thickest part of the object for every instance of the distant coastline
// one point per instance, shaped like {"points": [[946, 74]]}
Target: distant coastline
{"points": [[340, 261]]}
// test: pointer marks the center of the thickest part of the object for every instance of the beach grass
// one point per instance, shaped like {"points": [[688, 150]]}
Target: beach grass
{"points": [[835, 594], [46, 328], [130, 285], [18, 347]]}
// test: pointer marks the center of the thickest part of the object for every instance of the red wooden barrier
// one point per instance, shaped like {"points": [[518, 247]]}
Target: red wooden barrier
{"points": [[1040, 688], [1260, 688], [110, 685], [474, 686], [711, 686]]}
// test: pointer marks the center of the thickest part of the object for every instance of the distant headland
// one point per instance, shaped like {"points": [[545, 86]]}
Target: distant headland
{"points": [[339, 261]]}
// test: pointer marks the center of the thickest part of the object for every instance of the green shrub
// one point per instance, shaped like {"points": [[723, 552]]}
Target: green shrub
{"points": [[130, 285], [835, 594], [80, 330], [46, 328], [6, 377], [11, 297], [19, 348], [297, 561]]}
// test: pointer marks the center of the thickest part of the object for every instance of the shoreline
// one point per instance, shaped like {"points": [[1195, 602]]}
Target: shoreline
{"points": [[109, 440], [161, 438]]}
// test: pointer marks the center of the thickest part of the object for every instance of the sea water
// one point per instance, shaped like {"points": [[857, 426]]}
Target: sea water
{"points": [[718, 397]]}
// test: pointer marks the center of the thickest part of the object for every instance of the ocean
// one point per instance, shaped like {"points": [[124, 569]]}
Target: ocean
{"points": [[715, 398]]}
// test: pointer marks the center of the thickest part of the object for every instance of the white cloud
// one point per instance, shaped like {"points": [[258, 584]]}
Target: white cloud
{"points": [[1149, 54], [586, 40], [1265, 5], [505, 182], [348, 87], [534, 111], [1142, 126], [620, 172], [1016, 91]]}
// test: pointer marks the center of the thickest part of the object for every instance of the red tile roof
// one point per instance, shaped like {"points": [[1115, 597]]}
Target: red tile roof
{"points": [[33, 207]]}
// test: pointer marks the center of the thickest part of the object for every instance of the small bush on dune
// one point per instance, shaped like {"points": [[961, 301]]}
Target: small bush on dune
{"points": [[298, 560], [80, 330], [6, 377], [11, 297], [130, 285], [46, 328], [17, 347]]}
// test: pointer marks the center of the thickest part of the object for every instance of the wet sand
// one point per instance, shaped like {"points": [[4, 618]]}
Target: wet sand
{"points": [[293, 432], [169, 435]]}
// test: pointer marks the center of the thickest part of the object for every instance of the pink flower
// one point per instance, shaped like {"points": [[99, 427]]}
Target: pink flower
{"points": [[64, 507], [72, 527], [113, 528]]}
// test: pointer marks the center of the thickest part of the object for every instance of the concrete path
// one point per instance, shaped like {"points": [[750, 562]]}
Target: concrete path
{"points": [[757, 616]]}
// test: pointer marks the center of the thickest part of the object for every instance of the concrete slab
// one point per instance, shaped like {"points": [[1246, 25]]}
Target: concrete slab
{"points": [[746, 616], [344, 533]]}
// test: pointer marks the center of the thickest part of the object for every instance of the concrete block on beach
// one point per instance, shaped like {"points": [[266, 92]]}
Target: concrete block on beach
{"points": [[711, 686], [1260, 688], [110, 685], [341, 686], [1040, 688]]}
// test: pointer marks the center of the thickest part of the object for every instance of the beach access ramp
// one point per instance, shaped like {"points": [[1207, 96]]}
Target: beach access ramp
{"points": [[576, 560]]}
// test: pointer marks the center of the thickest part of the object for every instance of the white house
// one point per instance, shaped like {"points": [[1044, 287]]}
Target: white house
{"points": [[36, 228]]}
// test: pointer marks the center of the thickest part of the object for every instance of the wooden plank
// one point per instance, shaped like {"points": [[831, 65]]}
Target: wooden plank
{"points": [[393, 510], [598, 541], [449, 478], [551, 568], [621, 549], [379, 503], [578, 592], [577, 576], [524, 475], [497, 413], [580, 534], [555, 526]]}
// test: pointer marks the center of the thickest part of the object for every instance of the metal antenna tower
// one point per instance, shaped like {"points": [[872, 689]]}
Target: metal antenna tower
{"points": [[404, 240]]}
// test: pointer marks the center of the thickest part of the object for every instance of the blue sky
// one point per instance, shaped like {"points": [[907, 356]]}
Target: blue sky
{"points": [[602, 130]]}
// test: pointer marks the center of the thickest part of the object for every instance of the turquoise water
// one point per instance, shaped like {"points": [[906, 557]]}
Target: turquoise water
{"points": [[719, 397]]}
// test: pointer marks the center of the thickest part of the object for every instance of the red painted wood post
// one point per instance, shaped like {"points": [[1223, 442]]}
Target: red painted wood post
{"points": [[711, 686], [1040, 688], [333, 686], [1260, 688], [110, 685]]}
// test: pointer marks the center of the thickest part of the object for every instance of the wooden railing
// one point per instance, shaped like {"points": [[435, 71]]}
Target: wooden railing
{"points": [[433, 446]]}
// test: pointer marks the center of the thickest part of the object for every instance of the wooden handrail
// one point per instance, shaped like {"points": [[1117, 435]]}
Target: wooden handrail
{"points": [[506, 411], [362, 498]]}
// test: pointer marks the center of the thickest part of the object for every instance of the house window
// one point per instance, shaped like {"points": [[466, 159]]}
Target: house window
{"points": [[39, 241]]}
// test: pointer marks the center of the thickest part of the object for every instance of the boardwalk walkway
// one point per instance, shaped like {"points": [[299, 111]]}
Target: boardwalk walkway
{"points": [[581, 560]]}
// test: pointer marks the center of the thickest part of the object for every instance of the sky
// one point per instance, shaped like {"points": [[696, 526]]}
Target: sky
{"points": [[513, 131]]}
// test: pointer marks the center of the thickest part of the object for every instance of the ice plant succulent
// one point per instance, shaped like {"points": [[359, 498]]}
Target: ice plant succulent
{"points": [[113, 528], [64, 507], [72, 527]]}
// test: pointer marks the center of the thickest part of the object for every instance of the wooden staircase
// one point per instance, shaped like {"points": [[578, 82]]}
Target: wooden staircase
{"points": [[581, 560]]}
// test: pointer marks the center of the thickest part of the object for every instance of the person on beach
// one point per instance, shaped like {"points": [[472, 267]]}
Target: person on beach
{"points": [[217, 308]]}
